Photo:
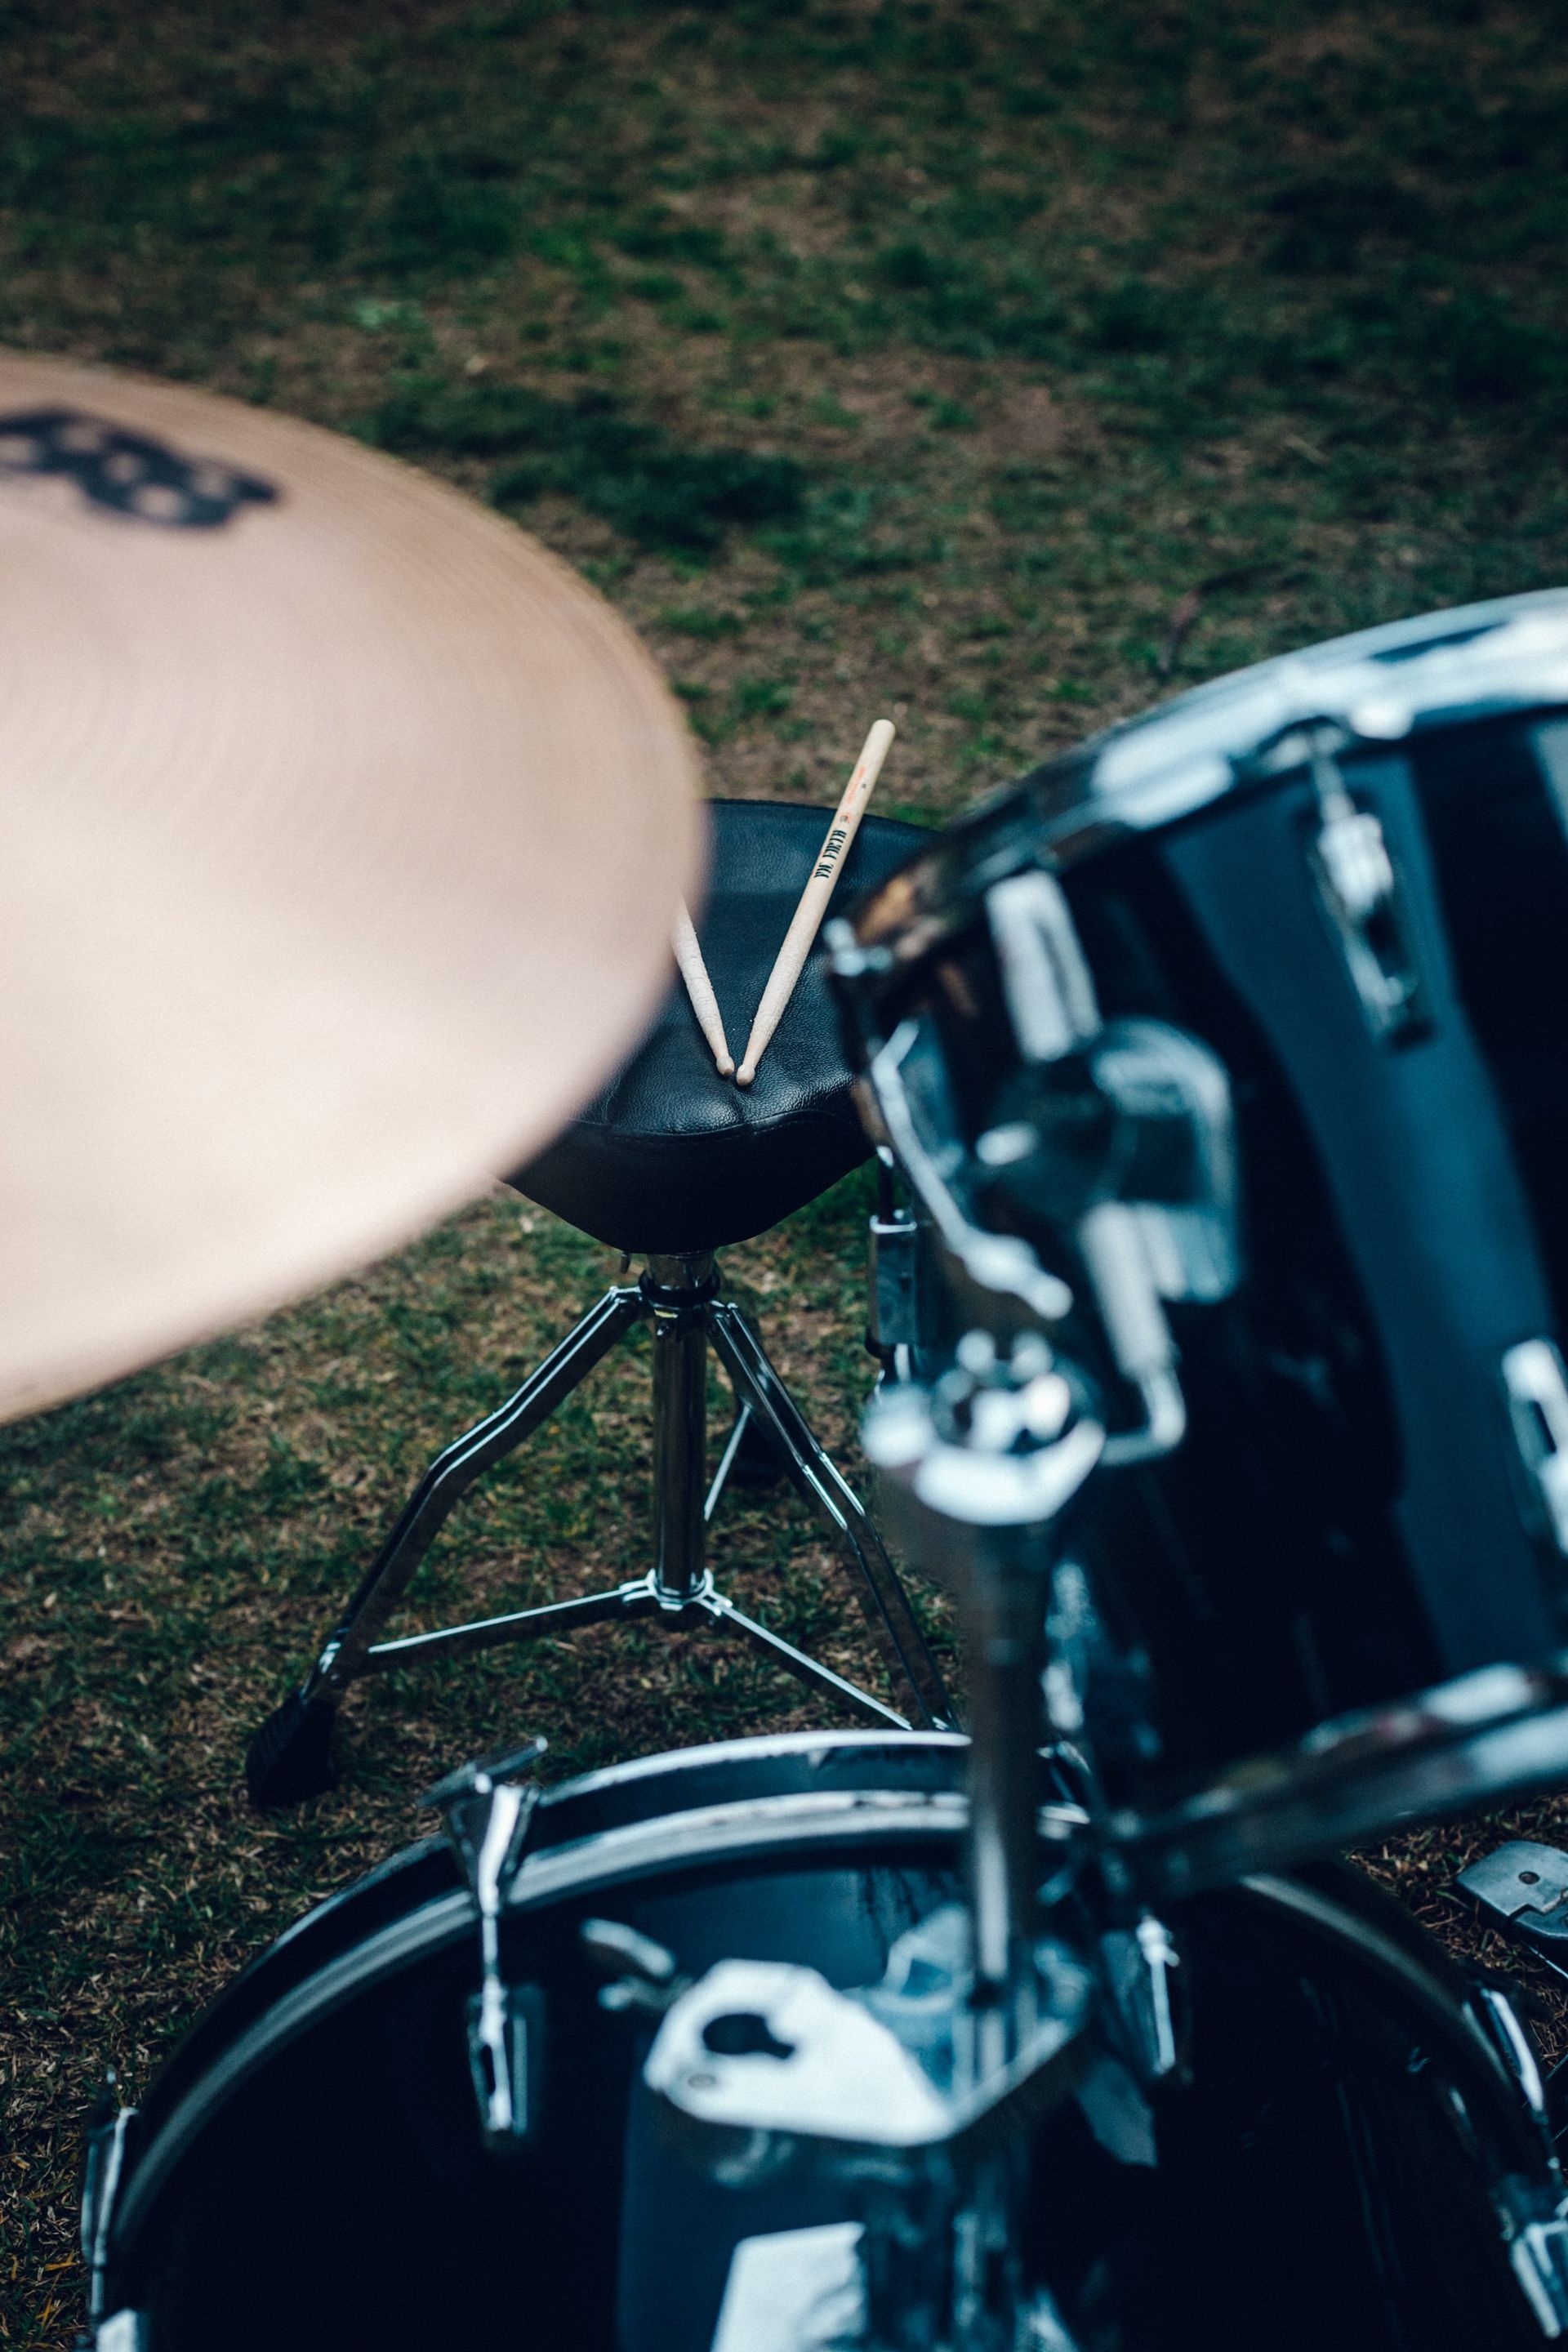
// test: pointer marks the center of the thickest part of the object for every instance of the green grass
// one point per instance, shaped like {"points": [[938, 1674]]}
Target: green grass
{"points": [[915, 357]]}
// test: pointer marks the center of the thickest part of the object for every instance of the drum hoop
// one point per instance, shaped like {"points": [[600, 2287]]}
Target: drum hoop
{"points": [[1336, 1922], [1475, 662], [761, 1828], [1502, 659], [1484, 1739], [671, 1767], [671, 1763]]}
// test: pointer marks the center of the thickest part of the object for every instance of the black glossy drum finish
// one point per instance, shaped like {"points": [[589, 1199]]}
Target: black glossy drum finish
{"points": [[1350, 1517], [308, 2171]]}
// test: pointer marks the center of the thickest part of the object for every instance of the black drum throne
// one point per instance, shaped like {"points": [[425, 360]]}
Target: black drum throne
{"points": [[669, 1164]]}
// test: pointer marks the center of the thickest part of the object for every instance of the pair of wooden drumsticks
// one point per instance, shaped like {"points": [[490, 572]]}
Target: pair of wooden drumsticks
{"points": [[805, 924]]}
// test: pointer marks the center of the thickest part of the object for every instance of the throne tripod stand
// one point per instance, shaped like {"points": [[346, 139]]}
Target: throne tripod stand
{"points": [[669, 1165]]}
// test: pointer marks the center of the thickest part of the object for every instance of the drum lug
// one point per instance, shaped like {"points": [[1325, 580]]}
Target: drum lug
{"points": [[917, 1117], [487, 1818], [1140, 1970], [1127, 1150], [1537, 1394], [1538, 2249], [1359, 886], [1504, 2029], [105, 2164], [893, 1329], [1112, 1242], [1045, 973], [505, 2026]]}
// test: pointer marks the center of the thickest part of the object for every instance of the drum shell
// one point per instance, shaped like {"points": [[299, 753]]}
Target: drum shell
{"points": [[1349, 1518], [309, 2169]]}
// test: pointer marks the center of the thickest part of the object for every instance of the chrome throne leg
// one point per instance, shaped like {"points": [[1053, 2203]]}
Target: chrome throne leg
{"points": [[815, 1476], [290, 1758]]}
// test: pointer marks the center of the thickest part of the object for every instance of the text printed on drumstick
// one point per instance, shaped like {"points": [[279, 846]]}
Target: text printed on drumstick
{"points": [[807, 918]]}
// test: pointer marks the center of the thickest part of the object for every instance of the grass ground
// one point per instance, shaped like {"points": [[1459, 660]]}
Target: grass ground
{"points": [[994, 363]]}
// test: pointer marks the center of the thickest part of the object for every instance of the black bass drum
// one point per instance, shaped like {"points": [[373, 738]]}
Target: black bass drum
{"points": [[1345, 874], [1351, 2171]]}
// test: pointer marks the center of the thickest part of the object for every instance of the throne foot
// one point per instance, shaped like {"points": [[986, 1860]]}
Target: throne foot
{"points": [[290, 1757]]}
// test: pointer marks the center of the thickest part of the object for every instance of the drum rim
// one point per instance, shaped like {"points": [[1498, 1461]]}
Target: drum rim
{"points": [[910, 1817], [673, 1761], [766, 1829], [673, 1782], [1461, 663], [669, 1765], [1501, 657], [1489, 1737]]}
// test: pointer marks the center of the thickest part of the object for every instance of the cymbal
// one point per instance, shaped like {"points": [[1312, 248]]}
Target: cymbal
{"points": [[342, 833]]}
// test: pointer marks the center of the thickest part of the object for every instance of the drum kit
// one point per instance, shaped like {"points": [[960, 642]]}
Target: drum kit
{"points": [[1219, 1065]]}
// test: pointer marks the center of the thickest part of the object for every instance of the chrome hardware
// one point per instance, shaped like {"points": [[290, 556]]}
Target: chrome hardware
{"points": [[1480, 661], [909, 1082], [1520, 1877], [762, 2054], [1537, 1394], [1175, 1093], [1360, 890], [1044, 974], [794, 2291], [644, 1980], [763, 2063], [763, 2066], [124, 2331], [892, 1329], [1521, 1889], [487, 1818], [999, 1443], [1498, 2020], [1129, 1152], [918, 2091], [101, 2186], [978, 1470], [1075, 1641], [1166, 1098], [677, 1295], [1538, 2249], [1498, 1728], [1141, 1967], [1111, 1241]]}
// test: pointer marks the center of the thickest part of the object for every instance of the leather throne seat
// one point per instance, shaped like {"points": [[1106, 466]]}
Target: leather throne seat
{"points": [[670, 1158]]}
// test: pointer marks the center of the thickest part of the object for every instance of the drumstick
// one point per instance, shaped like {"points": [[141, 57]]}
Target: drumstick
{"points": [[699, 988], [807, 918]]}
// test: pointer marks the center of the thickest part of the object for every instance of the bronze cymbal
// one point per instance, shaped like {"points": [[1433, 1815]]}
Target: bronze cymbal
{"points": [[342, 833]]}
